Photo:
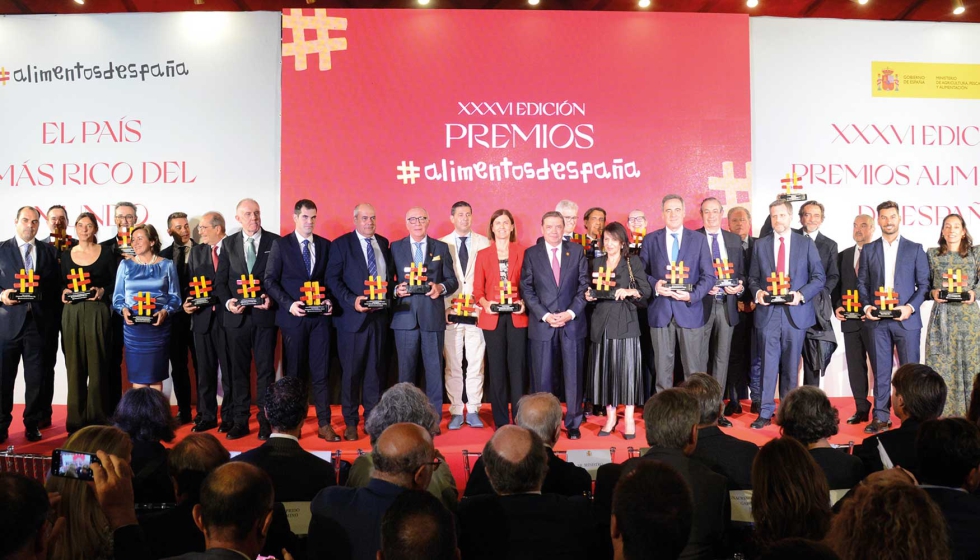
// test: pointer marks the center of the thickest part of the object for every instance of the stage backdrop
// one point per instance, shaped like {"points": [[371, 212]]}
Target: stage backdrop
{"points": [[172, 111], [866, 112], [511, 110]]}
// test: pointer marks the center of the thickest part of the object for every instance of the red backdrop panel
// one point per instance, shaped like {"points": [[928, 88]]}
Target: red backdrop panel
{"points": [[623, 107]]}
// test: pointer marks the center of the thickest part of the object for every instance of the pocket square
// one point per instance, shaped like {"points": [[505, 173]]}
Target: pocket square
{"points": [[438, 258]]}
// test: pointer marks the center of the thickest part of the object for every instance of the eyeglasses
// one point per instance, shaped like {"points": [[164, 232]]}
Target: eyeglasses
{"points": [[434, 463], [418, 220], [636, 220], [125, 217], [570, 218]]}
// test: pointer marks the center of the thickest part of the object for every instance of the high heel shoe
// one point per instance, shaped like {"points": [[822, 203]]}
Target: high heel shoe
{"points": [[630, 436], [604, 433]]}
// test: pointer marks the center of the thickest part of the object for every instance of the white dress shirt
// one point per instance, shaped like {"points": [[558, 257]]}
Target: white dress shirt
{"points": [[301, 239], [669, 239], [787, 236], [891, 257], [20, 247]]}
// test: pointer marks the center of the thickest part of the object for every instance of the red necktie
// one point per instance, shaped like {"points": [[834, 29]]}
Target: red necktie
{"points": [[214, 257], [781, 260]]}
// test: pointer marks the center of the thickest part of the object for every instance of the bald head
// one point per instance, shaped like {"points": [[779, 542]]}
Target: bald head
{"points": [[515, 460], [540, 413], [400, 452], [235, 500]]}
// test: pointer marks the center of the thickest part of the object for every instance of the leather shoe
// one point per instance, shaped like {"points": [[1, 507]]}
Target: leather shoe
{"points": [[44, 423], [326, 433], [858, 418], [574, 433], [724, 422], [32, 434], [733, 407], [877, 426], [239, 431], [264, 431], [756, 406], [456, 422], [760, 423], [204, 425], [3, 435], [225, 427], [183, 418], [350, 433]]}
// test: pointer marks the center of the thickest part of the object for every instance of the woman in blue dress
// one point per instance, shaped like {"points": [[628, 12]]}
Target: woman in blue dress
{"points": [[147, 345]]}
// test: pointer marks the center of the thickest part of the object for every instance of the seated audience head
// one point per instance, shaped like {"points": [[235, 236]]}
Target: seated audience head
{"points": [[236, 508], [707, 391], [541, 413], [790, 497], [404, 455], [652, 513], [807, 416], [973, 411], [286, 405], [671, 419], [145, 415], [949, 453], [919, 393], [892, 519], [87, 533], [416, 526], [403, 402], [515, 460], [24, 525], [191, 461], [799, 549]]}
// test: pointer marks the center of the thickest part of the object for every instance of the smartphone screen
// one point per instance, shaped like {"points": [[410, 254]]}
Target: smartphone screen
{"points": [[72, 464]]}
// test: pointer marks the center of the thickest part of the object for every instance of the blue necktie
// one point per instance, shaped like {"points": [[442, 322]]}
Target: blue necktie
{"points": [[417, 256], [28, 260], [675, 249], [464, 255], [372, 260], [307, 258]]}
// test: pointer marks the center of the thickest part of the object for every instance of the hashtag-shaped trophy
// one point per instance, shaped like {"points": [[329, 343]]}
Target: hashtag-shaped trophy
{"points": [[724, 271], [201, 288], [677, 273], [789, 184], [376, 292], [143, 308], [79, 280], [249, 290], [505, 298], [462, 311], [604, 281], [24, 286], [416, 278], [852, 305], [886, 299], [637, 243], [779, 283], [60, 239], [313, 298], [953, 284], [124, 241]]}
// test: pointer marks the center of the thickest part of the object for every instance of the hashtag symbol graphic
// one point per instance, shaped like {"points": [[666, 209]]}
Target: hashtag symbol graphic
{"points": [[322, 46], [4, 76], [408, 172]]}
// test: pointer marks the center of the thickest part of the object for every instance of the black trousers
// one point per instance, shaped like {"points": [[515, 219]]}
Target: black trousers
{"points": [[244, 343], [740, 359], [856, 350], [49, 359], [363, 366], [28, 345], [114, 382], [181, 344], [212, 351], [306, 354], [505, 353]]}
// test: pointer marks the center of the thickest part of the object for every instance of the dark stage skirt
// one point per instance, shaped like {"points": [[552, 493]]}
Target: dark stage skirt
{"points": [[615, 372]]}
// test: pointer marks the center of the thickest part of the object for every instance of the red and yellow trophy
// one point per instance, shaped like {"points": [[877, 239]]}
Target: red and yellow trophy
{"points": [[637, 243], [462, 310], [418, 282], [790, 183], [604, 282], [60, 240], [506, 299], [26, 286], [724, 271], [314, 298], [201, 288], [677, 273], [376, 292], [953, 284], [249, 291], [143, 309], [778, 292], [852, 306], [79, 281], [886, 300], [124, 241], [583, 240]]}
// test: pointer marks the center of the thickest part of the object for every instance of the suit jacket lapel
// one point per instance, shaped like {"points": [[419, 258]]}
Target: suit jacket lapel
{"points": [[566, 263]]}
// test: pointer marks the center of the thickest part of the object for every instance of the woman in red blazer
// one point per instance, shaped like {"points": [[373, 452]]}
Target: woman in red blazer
{"points": [[505, 333]]}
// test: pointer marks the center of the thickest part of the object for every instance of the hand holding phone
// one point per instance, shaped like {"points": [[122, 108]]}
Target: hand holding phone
{"points": [[73, 464]]}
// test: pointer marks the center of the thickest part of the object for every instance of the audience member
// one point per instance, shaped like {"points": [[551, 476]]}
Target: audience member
{"points": [[889, 519], [520, 522], [346, 522], [281, 456], [807, 416], [949, 470], [113, 483], [541, 413], [671, 418], [25, 529], [919, 394], [790, 497], [145, 415], [652, 513], [404, 402], [973, 410], [418, 527], [726, 455], [799, 549]]}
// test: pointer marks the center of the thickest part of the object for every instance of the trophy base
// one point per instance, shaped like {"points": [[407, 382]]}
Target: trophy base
{"points": [[776, 300], [635, 248], [795, 197], [680, 287], [250, 301], [726, 283], [953, 297], [886, 313], [315, 309], [602, 294], [415, 289], [25, 297], [505, 307], [375, 303], [74, 297], [852, 316], [127, 251], [143, 319], [204, 301], [462, 319]]}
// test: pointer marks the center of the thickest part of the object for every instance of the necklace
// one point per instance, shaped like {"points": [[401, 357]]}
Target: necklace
{"points": [[139, 260]]}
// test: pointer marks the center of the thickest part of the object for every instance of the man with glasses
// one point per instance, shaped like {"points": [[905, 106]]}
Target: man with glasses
{"points": [[419, 320], [569, 213], [181, 341], [125, 217], [57, 219]]}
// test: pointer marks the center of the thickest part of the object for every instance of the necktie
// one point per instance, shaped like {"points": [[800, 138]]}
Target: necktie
{"points": [[715, 249], [555, 267], [372, 261], [28, 259], [857, 261], [464, 254], [307, 257], [807, 236], [781, 261], [675, 248], [745, 244], [250, 254], [181, 259], [214, 257], [417, 256]]}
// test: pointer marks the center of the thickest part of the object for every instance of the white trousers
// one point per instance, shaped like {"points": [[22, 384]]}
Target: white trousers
{"points": [[470, 338]]}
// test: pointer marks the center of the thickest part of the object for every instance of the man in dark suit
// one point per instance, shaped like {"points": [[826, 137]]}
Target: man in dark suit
{"points": [[181, 340], [297, 475], [554, 277], [296, 261], [57, 221], [671, 419], [745, 365], [891, 262], [652, 513], [721, 303], [250, 331], [124, 215], [677, 316], [347, 521], [856, 343], [726, 455], [920, 395], [419, 320], [361, 331], [782, 328], [541, 414], [210, 345], [400, 534], [821, 341], [520, 521], [23, 324]]}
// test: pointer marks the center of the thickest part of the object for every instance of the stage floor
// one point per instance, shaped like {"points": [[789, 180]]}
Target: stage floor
{"points": [[450, 443]]}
